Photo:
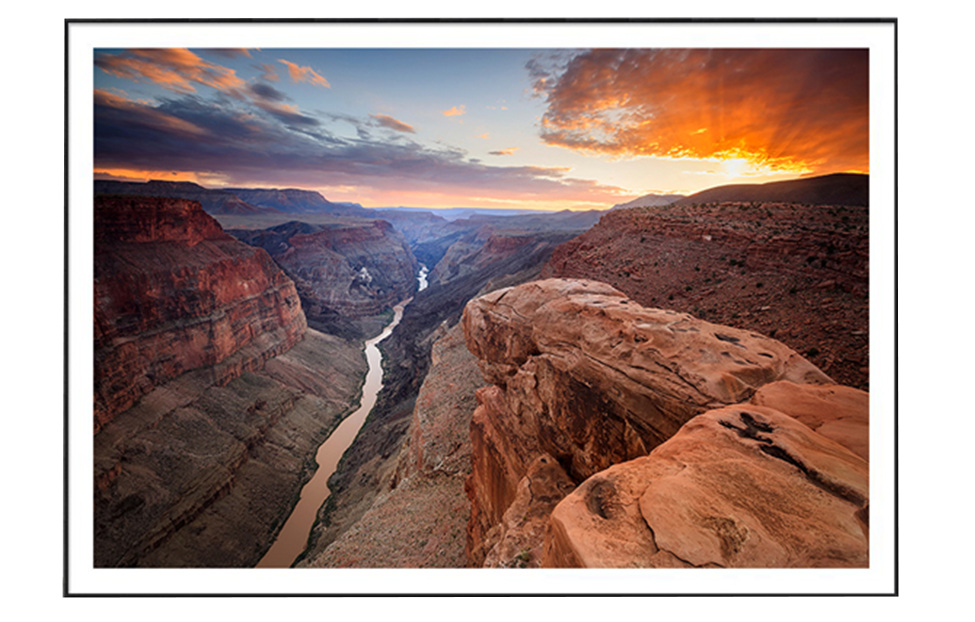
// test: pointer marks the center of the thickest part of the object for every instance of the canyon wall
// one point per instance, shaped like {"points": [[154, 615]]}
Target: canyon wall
{"points": [[585, 383], [210, 393], [343, 271], [174, 293]]}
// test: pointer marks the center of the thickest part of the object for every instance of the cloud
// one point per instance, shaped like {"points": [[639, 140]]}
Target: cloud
{"points": [[304, 74], [268, 72], [174, 69], [394, 124], [485, 135], [266, 92], [504, 152], [267, 143], [228, 52], [287, 113], [455, 111], [798, 110]]}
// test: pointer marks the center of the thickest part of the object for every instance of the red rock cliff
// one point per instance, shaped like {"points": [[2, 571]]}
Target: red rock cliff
{"points": [[173, 293], [586, 376], [354, 269]]}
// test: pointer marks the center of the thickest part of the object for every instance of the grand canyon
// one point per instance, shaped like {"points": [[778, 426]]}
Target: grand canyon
{"points": [[528, 370]]}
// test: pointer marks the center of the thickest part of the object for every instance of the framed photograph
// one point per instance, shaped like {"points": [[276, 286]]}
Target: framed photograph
{"points": [[462, 307]]}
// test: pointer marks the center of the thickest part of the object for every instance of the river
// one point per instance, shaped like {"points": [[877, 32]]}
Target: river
{"points": [[293, 538]]}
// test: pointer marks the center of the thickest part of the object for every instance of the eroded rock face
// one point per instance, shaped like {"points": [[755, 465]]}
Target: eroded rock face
{"points": [[586, 375], [839, 413], [738, 487], [174, 293], [356, 269]]}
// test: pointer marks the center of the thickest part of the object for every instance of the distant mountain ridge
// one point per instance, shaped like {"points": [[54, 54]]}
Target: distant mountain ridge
{"points": [[650, 200], [851, 189], [295, 201], [240, 201]]}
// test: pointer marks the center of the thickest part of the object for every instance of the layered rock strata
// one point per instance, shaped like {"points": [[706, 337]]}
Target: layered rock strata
{"points": [[351, 270], [210, 394], [174, 293], [199, 475], [588, 377]]}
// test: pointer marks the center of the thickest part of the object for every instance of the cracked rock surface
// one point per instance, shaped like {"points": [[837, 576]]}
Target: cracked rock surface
{"points": [[591, 378], [742, 486]]}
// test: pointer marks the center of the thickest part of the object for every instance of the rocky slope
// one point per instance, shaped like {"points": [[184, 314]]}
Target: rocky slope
{"points": [[586, 382], [421, 520], [210, 393], [369, 469], [798, 273], [174, 293], [343, 272]]}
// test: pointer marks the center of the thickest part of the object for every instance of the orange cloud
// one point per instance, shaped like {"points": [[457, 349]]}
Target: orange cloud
{"points": [[394, 124], [151, 118], [304, 74], [776, 110], [455, 111], [174, 69], [504, 152], [485, 135]]}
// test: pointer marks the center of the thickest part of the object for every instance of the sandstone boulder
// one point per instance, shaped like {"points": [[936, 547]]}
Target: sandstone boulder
{"points": [[742, 486]]}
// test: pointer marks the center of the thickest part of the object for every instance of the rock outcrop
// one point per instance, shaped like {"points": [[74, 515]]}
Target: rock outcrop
{"points": [[590, 379], [797, 273], [737, 487], [174, 293], [350, 270]]}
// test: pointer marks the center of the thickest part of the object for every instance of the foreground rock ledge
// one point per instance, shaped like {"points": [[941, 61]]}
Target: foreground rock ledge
{"points": [[738, 487], [592, 379]]}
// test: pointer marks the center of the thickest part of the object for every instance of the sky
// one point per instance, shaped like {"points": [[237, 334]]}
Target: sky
{"points": [[515, 128]]}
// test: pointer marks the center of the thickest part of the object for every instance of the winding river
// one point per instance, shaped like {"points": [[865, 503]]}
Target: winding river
{"points": [[293, 537]]}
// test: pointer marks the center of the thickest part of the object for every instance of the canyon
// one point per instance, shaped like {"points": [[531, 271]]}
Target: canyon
{"points": [[677, 382], [210, 390]]}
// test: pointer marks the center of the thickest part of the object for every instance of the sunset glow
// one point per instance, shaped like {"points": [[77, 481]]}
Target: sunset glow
{"points": [[555, 129]]}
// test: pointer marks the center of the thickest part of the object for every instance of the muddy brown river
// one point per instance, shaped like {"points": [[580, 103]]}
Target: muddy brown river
{"points": [[293, 538]]}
